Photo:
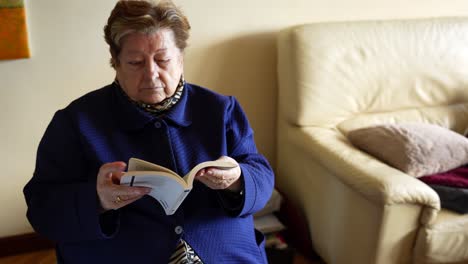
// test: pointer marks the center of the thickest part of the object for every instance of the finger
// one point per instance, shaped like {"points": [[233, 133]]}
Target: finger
{"points": [[108, 180], [214, 178], [212, 172], [111, 178], [111, 194], [128, 192], [107, 168], [121, 204], [105, 188], [113, 166], [209, 183], [200, 173], [215, 183], [120, 197], [220, 174], [117, 176], [134, 193]]}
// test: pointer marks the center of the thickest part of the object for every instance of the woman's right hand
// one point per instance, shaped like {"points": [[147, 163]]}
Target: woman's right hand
{"points": [[111, 194]]}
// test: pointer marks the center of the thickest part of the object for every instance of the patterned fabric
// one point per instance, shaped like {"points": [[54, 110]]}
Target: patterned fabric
{"points": [[184, 254], [166, 104]]}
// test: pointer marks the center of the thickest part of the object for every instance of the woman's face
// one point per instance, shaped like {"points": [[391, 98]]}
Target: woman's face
{"points": [[150, 66]]}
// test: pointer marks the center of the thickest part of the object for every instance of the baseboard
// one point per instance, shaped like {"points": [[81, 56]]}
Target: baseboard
{"points": [[18, 244]]}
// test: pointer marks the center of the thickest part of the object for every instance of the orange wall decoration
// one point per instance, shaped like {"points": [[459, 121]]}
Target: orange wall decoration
{"points": [[13, 33]]}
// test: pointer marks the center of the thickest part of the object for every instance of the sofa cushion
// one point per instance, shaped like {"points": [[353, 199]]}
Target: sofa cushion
{"points": [[414, 148], [443, 241], [453, 117], [370, 67]]}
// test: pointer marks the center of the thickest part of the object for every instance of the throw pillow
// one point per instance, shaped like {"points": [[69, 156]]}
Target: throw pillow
{"points": [[414, 148]]}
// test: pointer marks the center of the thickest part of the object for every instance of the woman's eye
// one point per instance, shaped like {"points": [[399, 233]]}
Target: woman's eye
{"points": [[135, 63], [163, 61]]}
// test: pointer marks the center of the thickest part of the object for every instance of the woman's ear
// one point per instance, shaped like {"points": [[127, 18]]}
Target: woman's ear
{"points": [[114, 62]]}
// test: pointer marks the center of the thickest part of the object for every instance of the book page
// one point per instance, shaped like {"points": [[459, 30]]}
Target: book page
{"points": [[222, 165], [167, 189], [135, 164]]}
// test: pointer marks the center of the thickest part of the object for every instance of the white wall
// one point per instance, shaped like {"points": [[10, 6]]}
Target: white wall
{"points": [[232, 50]]}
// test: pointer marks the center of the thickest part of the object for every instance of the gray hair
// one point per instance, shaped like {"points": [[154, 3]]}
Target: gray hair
{"points": [[144, 16]]}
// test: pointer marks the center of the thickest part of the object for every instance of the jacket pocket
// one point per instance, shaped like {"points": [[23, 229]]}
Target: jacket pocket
{"points": [[260, 239]]}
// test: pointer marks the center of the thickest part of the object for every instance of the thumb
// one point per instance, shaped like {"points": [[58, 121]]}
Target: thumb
{"points": [[108, 178], [108, 168], [116, 176]]}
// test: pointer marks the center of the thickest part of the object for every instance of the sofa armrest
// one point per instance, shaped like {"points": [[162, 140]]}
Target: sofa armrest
{"points": [[357, 170]]}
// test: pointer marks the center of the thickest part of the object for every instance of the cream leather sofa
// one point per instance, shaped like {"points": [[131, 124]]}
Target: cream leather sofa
{"points": [[336, 77]]}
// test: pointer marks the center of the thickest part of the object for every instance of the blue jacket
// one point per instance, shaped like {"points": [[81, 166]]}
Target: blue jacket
{"points": [[104, 126]]}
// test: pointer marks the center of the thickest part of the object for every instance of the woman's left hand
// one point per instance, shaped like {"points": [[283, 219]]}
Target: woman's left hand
{"points": [[221, 179]]}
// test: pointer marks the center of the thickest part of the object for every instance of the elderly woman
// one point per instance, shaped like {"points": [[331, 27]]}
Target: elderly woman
{"points": [[148, 112]]}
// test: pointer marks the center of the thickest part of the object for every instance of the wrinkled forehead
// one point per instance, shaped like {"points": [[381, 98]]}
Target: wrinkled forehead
{"points": [[161, 41]]}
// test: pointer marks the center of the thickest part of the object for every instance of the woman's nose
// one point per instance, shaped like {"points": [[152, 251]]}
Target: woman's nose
{"points": [[152, 70]]}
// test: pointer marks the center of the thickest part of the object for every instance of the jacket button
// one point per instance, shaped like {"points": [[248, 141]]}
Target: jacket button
{"points": [[178, 230], [157, 125]]}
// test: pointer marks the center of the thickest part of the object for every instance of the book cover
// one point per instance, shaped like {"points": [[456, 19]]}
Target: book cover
{"points": [[167, 187]]}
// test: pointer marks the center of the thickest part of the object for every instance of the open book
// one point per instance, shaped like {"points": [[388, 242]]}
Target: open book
{"points": [[168, 188]]}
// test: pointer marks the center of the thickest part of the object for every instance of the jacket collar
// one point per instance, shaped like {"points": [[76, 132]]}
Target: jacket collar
{"points": [[181, 114], [130, 117]]}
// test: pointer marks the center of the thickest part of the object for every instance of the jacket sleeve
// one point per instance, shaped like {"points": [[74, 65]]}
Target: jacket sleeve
{"points": [[257, 175], [61, 196]]}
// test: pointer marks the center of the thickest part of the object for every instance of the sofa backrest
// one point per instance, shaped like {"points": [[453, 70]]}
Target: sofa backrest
{"points": [[332, 72]]}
